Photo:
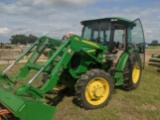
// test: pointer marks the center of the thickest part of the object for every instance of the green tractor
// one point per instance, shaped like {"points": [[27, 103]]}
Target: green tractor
{"points": [[110, 53]]}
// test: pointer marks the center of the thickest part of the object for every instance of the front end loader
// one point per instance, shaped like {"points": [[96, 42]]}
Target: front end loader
{"points": [[109, 53]]}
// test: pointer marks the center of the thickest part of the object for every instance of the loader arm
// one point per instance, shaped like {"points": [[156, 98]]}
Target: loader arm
{"points": [[23, 100], [66, 51]]}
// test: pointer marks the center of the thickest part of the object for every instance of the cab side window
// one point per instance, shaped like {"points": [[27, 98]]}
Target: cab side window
{"points": [[119, 37]]}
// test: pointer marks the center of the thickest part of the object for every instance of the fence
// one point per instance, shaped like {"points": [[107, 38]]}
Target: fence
{"points": [[7, 56]]}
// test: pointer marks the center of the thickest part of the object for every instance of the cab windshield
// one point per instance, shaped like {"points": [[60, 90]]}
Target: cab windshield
{"points": [[97, 31]]}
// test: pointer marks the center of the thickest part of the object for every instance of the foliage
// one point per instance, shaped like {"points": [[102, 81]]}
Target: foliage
{"points": [[154, 42], [22, 39]]}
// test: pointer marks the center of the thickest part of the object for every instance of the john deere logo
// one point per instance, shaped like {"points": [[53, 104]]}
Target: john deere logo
{"points": [[90, 43]]}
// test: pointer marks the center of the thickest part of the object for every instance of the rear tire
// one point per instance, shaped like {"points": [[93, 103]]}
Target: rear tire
{"points": [[93, 90], [132, 74]]}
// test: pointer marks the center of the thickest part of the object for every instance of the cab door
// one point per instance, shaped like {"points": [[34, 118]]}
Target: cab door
{"points": [[137, 40]]}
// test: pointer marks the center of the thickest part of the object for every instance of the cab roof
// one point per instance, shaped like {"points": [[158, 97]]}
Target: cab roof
{"points": [[118, 20]]}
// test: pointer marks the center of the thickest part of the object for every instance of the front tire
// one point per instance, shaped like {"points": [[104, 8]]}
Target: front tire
{"points": [[94, 89]]}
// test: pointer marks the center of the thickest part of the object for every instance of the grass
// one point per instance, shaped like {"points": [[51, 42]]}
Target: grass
{"points": [[153, 49], [16, 68], [140, 104]]}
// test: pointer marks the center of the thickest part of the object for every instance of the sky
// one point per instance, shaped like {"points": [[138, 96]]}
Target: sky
{"points": [[54, 18]]}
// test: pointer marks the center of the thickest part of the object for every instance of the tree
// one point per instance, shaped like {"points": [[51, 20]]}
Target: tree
{"points": [[31, 38], [22, 39], [154, 42]]}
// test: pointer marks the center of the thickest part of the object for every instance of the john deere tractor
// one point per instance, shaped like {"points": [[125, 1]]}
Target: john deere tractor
{"points": [[109, 53]]}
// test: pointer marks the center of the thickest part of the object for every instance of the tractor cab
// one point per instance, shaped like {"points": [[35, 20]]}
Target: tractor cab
{"points": [[117, 33]]}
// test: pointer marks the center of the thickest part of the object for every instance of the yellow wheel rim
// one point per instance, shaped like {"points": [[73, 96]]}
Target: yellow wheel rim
{"points": [[97, 91], [135, 74]]}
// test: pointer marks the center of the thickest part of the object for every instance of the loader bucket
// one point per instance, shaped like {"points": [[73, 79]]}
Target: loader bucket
{"points": [[23, 107]]}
